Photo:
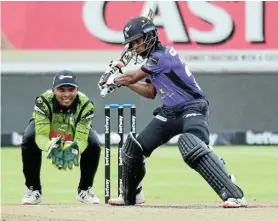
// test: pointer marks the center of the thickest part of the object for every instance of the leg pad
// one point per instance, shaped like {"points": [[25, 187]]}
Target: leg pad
{"points": [[133, 170], [201, 158]]}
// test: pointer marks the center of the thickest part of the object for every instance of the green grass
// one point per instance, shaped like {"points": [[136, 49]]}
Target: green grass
{"points": [[168, 177]]}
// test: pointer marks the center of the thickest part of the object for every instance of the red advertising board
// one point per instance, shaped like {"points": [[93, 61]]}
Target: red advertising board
{"points": [[97, 25]]}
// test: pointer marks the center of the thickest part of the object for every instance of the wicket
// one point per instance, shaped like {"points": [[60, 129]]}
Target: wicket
{"points": [[107, 152]]}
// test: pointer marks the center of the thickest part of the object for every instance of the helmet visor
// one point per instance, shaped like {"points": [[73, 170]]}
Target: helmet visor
{"points": [[128, 40]]}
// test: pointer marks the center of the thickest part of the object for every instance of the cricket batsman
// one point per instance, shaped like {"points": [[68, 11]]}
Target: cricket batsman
{"points": [[184, 111], [61, 128]]}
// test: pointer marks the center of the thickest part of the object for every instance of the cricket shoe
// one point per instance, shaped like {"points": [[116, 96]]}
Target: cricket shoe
{"points": [[31, 197], [140, 199], [234, 203], [87, 196]]}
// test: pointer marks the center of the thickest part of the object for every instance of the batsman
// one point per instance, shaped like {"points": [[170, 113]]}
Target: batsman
{"points": [[61, 129], [184, 112]]}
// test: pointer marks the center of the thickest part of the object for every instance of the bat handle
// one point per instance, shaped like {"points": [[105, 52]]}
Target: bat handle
{"points": [[104, 91]]}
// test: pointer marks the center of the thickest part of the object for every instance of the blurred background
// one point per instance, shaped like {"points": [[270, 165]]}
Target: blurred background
{"points": [[231, 47]]}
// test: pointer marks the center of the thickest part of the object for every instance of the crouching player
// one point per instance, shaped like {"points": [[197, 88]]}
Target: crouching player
{"points": [[61, 127]]}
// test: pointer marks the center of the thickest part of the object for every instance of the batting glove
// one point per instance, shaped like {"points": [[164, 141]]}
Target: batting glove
{"points": [[103, 79], [117, 64], [114, 69]]}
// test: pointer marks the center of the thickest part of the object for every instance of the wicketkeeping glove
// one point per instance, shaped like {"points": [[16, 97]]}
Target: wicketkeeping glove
{"points": [[55, 152], [71, 155]]}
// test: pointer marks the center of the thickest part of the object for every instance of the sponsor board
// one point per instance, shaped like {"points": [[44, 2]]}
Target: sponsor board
{"points": [[261, 138], [222, 138], [211, 36]]}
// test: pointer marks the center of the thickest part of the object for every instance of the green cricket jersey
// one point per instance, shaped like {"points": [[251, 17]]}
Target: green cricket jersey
{"points": [[52, 121]]}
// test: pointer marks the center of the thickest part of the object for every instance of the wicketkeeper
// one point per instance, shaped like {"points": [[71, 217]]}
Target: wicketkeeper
{"points": [[184, 111], [60, 130]]}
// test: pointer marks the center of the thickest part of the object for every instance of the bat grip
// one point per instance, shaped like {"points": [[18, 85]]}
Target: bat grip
{"points": [[104, 91]]}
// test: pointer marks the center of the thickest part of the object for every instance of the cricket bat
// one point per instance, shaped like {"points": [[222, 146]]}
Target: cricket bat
{"points": [[126, 55]]}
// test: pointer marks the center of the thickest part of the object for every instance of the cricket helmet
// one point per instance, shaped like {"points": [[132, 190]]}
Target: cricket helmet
{"points": [[141, 27]]}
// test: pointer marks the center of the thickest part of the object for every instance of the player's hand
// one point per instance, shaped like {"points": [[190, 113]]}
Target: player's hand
{"points": [[110, 86], [111, 81], [103, 79], [113, 70], [116, 69], [117, 64], [71, 155], [107, 81], [55, 152], [107, 90]]}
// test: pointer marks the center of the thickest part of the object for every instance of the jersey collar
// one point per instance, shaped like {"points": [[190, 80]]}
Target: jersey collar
{"points": [[58, 109]]}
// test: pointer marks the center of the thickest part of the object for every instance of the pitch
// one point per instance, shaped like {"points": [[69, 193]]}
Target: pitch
{"points": [[173, 191]]}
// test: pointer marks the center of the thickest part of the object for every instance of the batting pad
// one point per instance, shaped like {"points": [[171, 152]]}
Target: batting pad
{"points": [[201, 158], [133, 170]]}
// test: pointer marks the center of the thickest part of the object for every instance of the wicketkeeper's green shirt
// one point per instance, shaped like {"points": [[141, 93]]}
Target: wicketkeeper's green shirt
{"points": [[52, 121]]}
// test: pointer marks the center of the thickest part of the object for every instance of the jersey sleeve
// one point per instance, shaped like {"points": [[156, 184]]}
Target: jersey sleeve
{"points": [[83, 127], [154, 65], [42, 124]]}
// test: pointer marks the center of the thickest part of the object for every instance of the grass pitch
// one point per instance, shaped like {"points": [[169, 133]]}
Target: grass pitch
{"points": [[168, 178]]}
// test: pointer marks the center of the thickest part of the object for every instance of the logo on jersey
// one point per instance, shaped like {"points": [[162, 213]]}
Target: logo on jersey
{"points": [[62, 128], [154, 59], [66, 137]]}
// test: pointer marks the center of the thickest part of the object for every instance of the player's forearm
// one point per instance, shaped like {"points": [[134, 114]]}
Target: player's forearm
{"points": [[42, 142], [42, 136], [81, 135], [144, 89], [130, 76], [127, 78], [42, 131]]}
